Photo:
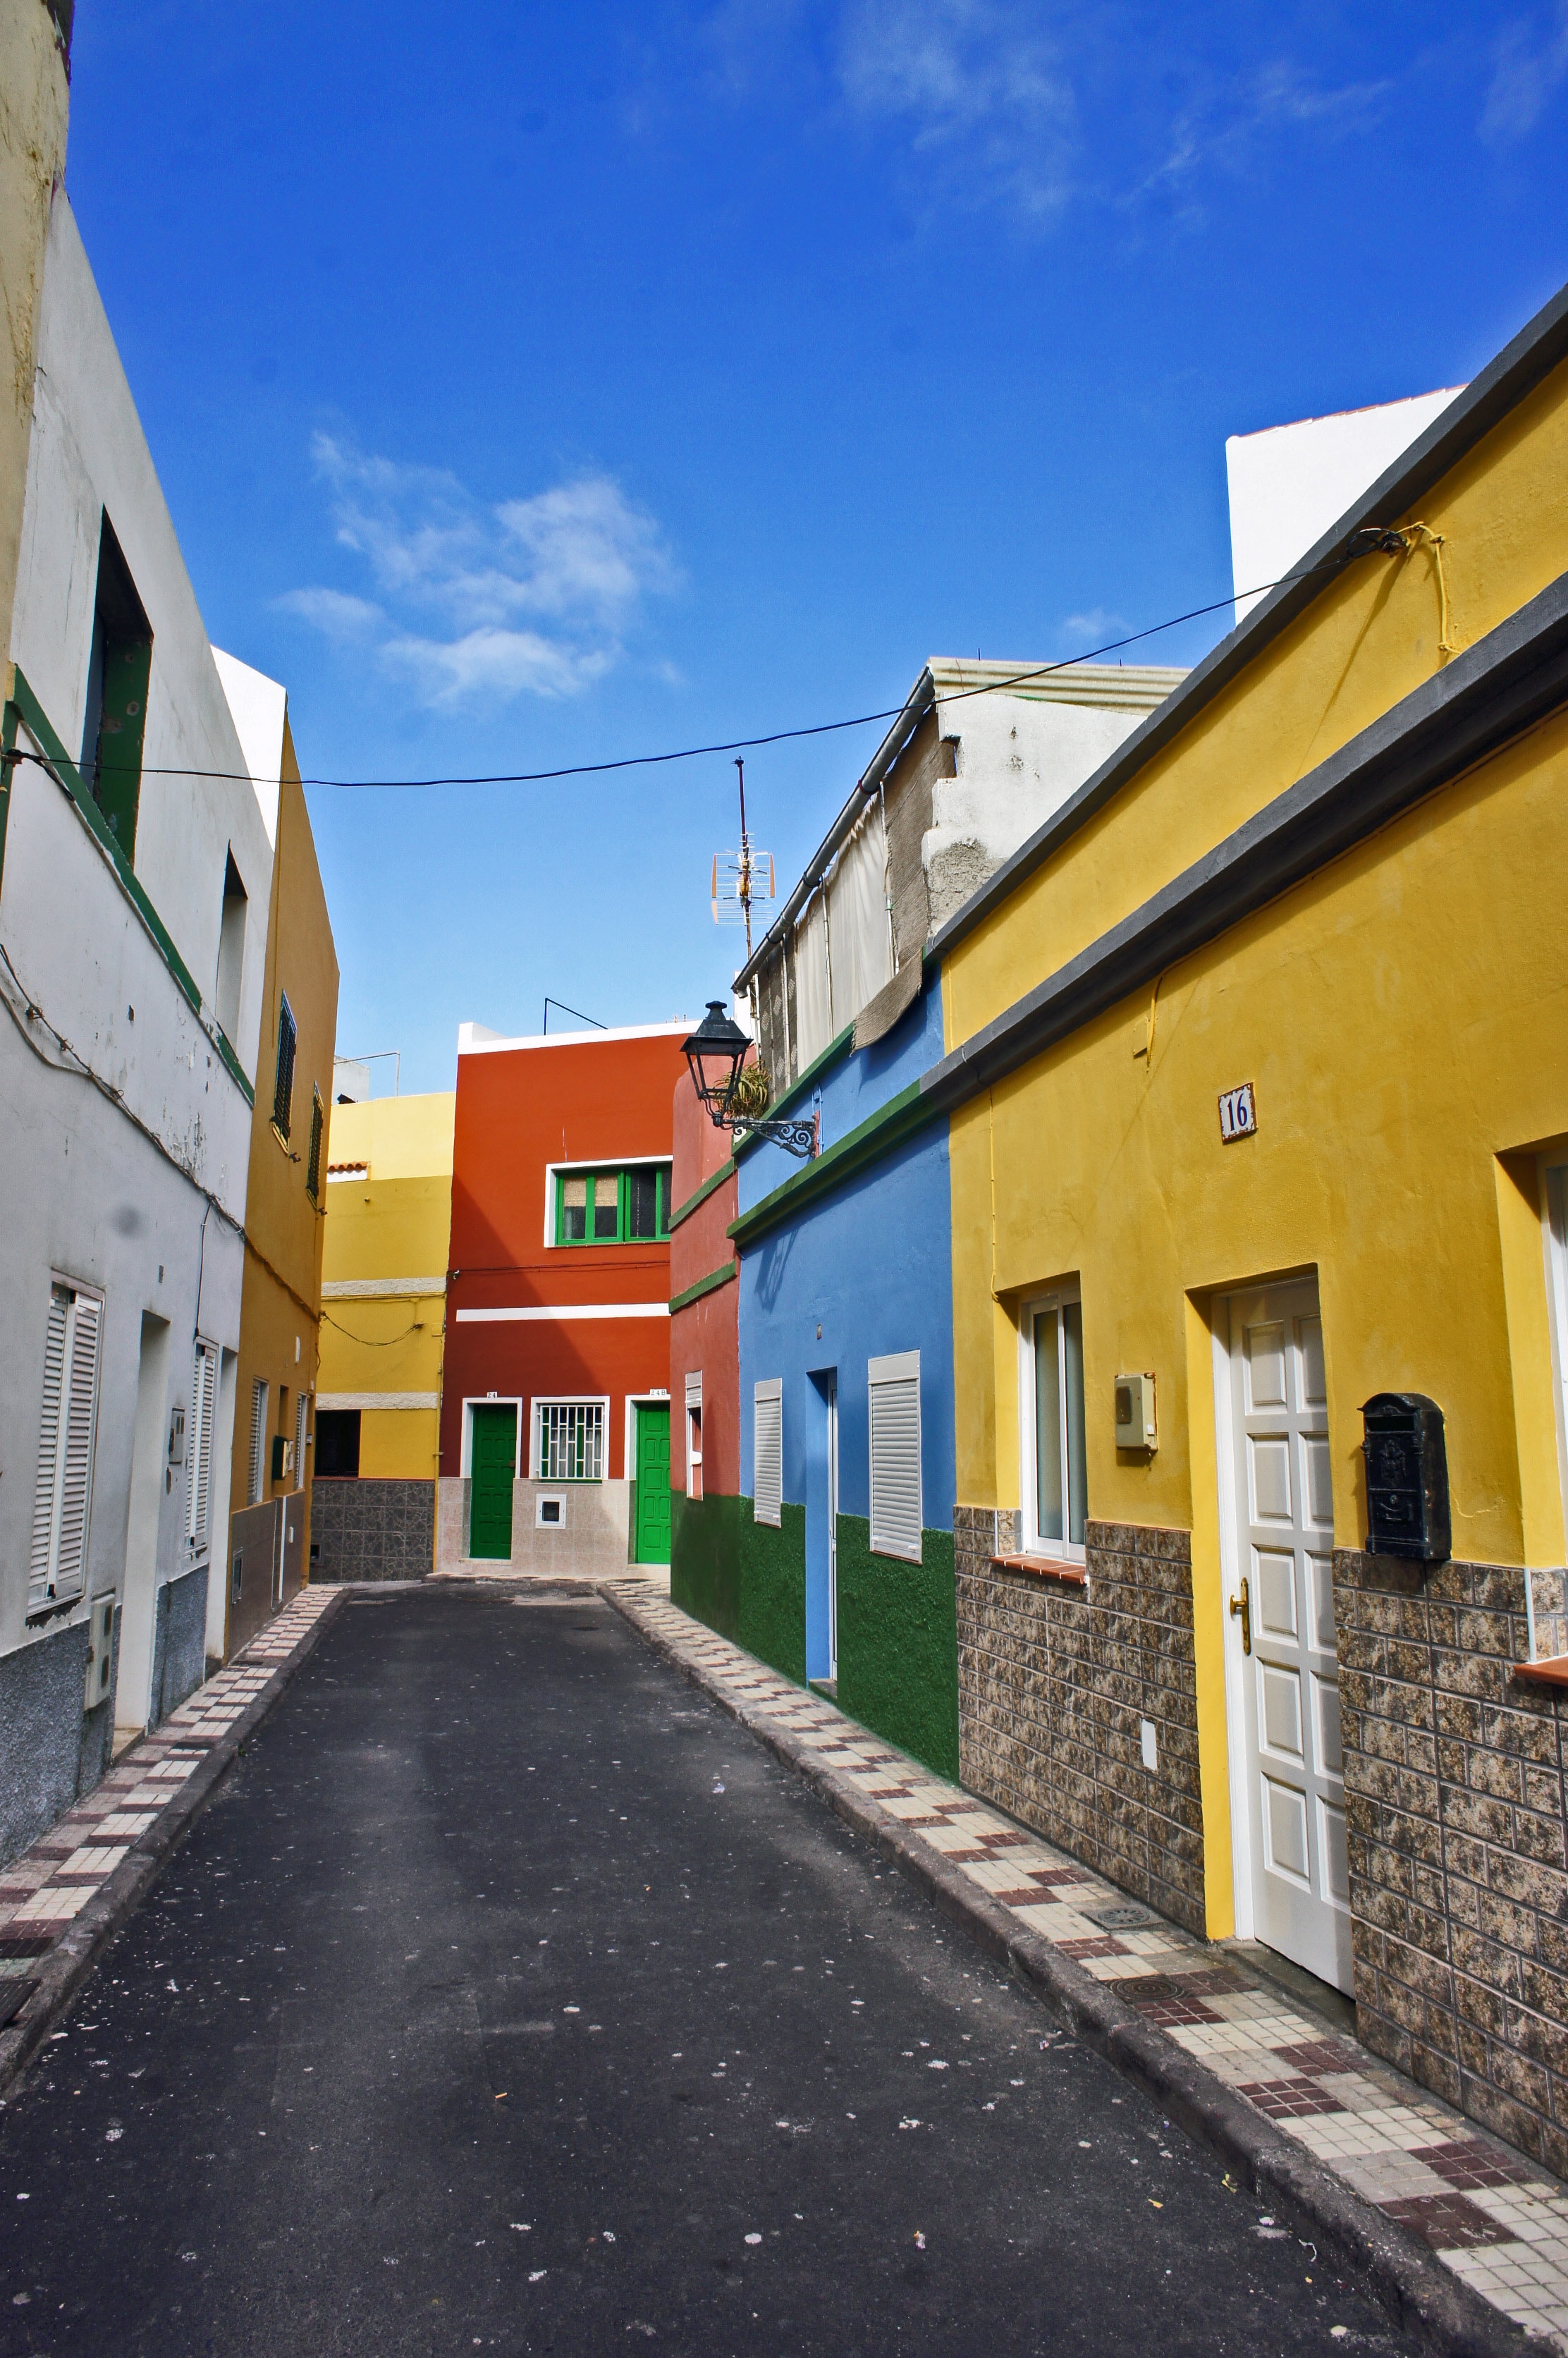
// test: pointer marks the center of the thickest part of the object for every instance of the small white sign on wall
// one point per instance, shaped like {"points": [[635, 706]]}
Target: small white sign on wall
{"points": [[1238, 1113]]}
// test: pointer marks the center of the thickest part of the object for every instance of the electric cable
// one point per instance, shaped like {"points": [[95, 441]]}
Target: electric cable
{"points": [[1361, 544]]}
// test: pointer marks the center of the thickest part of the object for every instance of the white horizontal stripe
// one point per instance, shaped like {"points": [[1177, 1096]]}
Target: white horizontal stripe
{"points": [[372, 1289], [378, 1399], [558, 1310]]}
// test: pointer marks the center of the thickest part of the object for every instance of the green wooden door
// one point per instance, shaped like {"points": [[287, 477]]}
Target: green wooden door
{"points": [[653, 1534], [493, 1463]]}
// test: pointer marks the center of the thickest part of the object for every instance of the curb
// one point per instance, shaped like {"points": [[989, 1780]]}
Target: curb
{"points": [[80, 1948], [1420, 2294]]}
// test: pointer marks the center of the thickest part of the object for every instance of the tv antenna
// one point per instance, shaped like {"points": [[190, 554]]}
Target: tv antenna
{"points": [[741, 877]]}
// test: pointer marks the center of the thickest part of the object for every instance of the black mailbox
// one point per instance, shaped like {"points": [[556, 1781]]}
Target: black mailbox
{"points": [[1407, 1477]]}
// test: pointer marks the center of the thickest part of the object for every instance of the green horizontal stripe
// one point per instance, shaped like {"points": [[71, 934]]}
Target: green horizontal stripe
{"points": [[876, 1136], [37, 723], [779, 1111], [708, 1284], [725, 1171]]}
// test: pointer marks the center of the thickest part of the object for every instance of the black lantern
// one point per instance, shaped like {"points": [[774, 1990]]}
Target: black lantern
{"points": [[715, 1054]]}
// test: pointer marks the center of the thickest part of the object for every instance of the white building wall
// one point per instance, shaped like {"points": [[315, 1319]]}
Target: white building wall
{"points": [[1290, 483], [134, 1186]]}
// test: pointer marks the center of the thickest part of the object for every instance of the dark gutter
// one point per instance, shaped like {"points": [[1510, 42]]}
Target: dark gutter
{"points": [[1488, 696], [1500, 387]]}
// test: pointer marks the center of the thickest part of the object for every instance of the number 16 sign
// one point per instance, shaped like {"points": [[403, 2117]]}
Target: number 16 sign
{"points": [[1238, 1113]]}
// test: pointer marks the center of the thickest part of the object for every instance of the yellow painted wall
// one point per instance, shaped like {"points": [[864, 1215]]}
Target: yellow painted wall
{"points": [[278, 1326], [393, 1225], [1404, 1019]]}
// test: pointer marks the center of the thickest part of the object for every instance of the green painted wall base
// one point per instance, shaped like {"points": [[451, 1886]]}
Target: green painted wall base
{"points": [[898, 1624], [898, 1644], [704, 1560]]}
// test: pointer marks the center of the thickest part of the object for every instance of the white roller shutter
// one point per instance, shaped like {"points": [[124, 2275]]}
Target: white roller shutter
{"points": [[893, 1386], [258, 1443], [203, 1400], [67, 1428], [767, 1452]]}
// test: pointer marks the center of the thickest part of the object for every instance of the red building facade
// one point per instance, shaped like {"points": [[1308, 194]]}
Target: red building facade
{"points": [[555, 1398]]}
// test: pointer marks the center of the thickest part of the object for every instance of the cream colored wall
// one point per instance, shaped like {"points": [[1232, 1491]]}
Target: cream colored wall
{"points": [[34, 104], [393, 1227]]}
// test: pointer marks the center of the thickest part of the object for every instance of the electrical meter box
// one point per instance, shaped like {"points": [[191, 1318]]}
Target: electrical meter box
{"points": [[99, 1652], [1135, 1426], [177, 1435], [1407, 1477]]}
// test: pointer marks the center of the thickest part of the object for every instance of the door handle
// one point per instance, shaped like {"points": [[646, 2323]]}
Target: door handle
{"points": [[1243, 1605]]}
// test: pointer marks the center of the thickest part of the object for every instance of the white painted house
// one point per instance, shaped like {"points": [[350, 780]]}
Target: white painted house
{"points": [[133, 923]]}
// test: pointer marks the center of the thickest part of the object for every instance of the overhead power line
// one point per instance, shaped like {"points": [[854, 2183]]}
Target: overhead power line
{"points": [[1362, 544]]}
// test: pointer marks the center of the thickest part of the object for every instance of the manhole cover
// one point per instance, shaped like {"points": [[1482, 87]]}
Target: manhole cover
{"points": [[1126, 1916]]}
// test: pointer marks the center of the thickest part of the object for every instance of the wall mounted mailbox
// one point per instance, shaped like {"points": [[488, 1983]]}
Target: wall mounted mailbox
{"points": [[1407, 1477]]}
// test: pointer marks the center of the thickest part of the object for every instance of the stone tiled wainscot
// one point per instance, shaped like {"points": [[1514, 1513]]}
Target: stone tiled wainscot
{"points": [[1053, 1683], [368, 1530], [1454, 1775]]}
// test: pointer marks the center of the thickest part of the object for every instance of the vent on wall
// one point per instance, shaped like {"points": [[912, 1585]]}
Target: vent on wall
{"points": [[895, 1419], [767, 1453]]}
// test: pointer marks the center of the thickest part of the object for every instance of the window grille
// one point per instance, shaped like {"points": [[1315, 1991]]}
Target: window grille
{"points": [[895, 1419], [57, 1568], [283, 1090], [767, 1452], [569, 1440]]}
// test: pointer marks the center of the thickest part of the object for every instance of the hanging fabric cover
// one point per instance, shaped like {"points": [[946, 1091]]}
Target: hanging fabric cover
{"points": [[860, 950]]}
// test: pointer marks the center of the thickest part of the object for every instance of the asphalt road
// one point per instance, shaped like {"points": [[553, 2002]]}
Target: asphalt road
{"points": [[510, 1997]]}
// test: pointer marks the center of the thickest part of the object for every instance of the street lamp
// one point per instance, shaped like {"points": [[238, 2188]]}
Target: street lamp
{"points": [[715, 1054]]}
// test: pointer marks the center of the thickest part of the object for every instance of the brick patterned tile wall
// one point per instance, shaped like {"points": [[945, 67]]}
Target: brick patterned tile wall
{"points": [[1053, 1682], [1454, 1798], [371, 1529]]}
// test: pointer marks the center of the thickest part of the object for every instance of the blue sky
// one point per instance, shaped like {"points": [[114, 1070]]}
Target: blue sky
{"points": [[544, 384]]}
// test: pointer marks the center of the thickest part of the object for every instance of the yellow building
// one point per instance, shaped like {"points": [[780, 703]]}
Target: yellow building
{"points": [[1256, 1074], [269, 1524], [389, 1201]]}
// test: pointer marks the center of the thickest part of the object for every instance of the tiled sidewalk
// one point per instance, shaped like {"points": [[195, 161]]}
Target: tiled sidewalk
{"points": [[1499, 2223], [44, 1890]]}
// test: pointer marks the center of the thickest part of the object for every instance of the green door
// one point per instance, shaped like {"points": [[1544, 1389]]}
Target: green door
{"points": [[653, 1534], [493, 1463]]}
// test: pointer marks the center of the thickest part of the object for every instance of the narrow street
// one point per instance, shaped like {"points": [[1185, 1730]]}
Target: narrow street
{"points": [[509, 1997]]}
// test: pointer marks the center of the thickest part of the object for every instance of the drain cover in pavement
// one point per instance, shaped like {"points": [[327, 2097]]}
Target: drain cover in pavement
{"points": [[1125, 1916]]}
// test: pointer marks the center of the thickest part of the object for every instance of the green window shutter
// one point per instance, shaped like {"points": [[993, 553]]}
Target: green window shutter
{"points": [[283, 1092], [313, 1167]]}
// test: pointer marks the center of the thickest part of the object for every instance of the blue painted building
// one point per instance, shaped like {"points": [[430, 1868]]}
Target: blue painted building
{"points": [[845, 1374]]}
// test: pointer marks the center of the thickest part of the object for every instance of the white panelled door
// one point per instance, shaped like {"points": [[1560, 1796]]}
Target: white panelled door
{"points": [[1285, 1614]]}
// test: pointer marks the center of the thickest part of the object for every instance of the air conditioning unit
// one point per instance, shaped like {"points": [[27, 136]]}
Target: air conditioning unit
{"points": [[99, 1652]]}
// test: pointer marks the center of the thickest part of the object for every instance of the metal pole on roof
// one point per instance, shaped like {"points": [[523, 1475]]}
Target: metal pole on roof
{"points": [[745, 860]]}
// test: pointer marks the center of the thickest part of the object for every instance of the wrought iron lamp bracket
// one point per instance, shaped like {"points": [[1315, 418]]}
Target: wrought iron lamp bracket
{"points": [[795, 1137]]}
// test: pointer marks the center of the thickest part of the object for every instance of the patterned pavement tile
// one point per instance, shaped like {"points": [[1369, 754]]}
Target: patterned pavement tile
{"points": [[1491, 2215]]}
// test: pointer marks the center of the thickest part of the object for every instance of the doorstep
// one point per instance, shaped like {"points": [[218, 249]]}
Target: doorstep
{"points": [[1461, 2233]]}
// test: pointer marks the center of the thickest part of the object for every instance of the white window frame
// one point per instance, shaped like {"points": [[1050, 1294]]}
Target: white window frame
{"points": [[767, 1506], [616, 1161], [599, 1401], [1064, 1549], [694, 1450], [472, 1401], [894, 1372], [53, 1578], [1554, 1239], [261, 1408]]}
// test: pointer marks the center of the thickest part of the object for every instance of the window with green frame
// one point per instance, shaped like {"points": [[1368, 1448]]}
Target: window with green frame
{"points": [[631, 1206]]}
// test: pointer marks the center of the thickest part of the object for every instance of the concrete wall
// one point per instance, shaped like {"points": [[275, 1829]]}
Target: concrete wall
{"points": [[591, 1539]]}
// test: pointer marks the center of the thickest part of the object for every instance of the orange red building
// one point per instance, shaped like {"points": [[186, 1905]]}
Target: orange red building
{"points": [[554, 1441]]}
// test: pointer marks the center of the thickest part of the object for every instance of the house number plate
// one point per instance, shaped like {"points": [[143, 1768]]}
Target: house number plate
{"points": [[1238, 1113]]}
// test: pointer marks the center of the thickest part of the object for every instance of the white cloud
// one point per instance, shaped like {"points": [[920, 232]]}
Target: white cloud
{"points": [[529, 596], [1097, 628], [1224, 127], [992, 111], [1531, 61]]}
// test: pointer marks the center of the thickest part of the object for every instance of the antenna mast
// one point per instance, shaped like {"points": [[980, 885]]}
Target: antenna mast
{"points": [[745, 857]]}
